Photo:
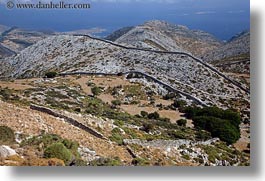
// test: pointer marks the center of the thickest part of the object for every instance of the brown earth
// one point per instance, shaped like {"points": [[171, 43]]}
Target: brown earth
{"points": [[29, 122]]}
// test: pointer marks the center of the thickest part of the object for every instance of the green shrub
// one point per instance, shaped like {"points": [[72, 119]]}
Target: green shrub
{"points": [[116, 136], [7, 135], [154, 115], [5, 94], [106, 162], [116, 102], [220, 123], [182, 122], [220, 128], [144, 114], [140, 162], [50, 75], [179, 103], [45, 139], [147, 127], [203, 135], [186, 157], [58, 150], [96, 91]]}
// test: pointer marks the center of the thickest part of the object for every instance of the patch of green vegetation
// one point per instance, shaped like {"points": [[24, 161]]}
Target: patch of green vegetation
{"points": [[154, 115], [202, 135], [116, 136], [56, 94], [97, 107], [119, 123], [116, 102], [182, 122], [106, 162], [47, 140], [212, 152], [134, 91], [7, 135], [58, 150], [140, 162], [51, 74], [96, 91], [186, 157], [223, 124]]}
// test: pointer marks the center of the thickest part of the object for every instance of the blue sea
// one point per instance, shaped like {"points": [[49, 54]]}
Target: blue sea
{"points": [[222, 18]]}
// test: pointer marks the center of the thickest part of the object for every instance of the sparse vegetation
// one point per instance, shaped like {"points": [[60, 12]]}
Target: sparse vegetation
{"points": [[96, 91], [58, 150], [7, 135], [182, 122], [106, 162], [51, 75]]}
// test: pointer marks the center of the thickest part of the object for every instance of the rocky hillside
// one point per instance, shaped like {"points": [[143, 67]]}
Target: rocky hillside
{"points": [[117, 34], [13, 40], [92, 120], [161, 35], [233, 58], [238, 45], [3, 28], [5, 52], [183, 73]]}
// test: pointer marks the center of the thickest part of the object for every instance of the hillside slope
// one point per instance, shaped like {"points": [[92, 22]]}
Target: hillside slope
{"points": [[67, 53], [161, 35], [13, 40], [238, 45]]}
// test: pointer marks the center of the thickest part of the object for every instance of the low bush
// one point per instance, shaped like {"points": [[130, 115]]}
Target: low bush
{"points": [[7, 135], [51, 74], [154, 115], [182, 122], [116, 136], [144, 114], [116, 102], [96, 91], [106, 162], [58, 150], [223, 124]]}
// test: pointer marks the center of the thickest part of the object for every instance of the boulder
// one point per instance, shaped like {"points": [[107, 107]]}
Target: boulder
{"points": [[6, 151]]}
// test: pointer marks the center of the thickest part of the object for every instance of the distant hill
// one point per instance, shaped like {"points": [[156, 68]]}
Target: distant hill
{"points": [[117, 34], [13, 40], [237, 45], [161, 35], [234, 56]]}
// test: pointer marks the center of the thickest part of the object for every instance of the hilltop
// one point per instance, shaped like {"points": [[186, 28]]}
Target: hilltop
{"points": [[161, 35]]}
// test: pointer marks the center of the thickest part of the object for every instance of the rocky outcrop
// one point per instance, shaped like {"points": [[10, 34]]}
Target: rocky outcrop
{"points": [[6, 151]]}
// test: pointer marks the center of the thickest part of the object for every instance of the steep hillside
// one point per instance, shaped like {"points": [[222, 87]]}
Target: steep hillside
{"points": [[161, 35], [180, 72]]}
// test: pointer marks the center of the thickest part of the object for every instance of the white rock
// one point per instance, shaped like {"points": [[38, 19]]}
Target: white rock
{"points": [[6, 151]]}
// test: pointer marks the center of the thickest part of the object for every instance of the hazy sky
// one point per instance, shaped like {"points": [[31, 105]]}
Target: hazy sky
{"points": [[223, 18]]}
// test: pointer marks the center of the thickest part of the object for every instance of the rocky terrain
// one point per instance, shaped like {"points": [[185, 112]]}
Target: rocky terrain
{"points": [[13, 40], [160, 35], [237, 45], [233, 58], [104, 133], [145, 99]]}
